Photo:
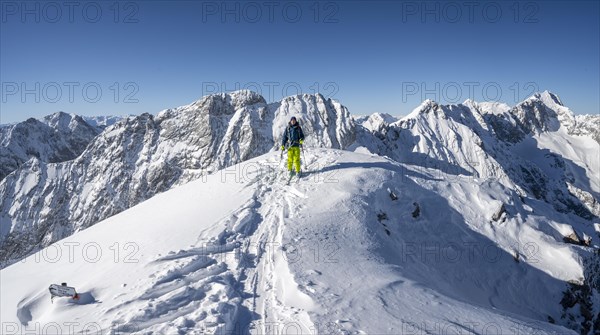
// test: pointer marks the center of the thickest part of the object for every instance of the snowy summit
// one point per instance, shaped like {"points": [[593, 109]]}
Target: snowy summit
{"points": [[475, 218]]}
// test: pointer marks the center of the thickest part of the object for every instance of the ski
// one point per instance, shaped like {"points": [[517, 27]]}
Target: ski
{"points": [[295, 177]]}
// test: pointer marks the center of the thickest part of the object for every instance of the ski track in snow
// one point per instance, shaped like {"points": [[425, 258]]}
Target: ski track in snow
{"points": [[242, 274], [225, 275]]}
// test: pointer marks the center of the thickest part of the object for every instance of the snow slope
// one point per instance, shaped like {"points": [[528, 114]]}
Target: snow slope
{"points": [[360, 245], [141, 156], [138, 157], [527, 147]]}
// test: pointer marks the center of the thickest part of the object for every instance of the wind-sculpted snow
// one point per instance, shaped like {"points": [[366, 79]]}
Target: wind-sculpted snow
{"points": [[520, 182], [343, 251], [138, 157]]}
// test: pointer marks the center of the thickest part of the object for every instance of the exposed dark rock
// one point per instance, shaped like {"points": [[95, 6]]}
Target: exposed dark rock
{"points": [[417, 211], [499, 212], [572, 238]]}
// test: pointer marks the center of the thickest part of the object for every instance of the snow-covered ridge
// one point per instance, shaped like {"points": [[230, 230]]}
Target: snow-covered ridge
{"points": [[587, 125], [55, 138], [103, 121], [529, 147], [138, 157], [506, 179], [543, 112], [216, 131], [376, 122], [361, 245]]}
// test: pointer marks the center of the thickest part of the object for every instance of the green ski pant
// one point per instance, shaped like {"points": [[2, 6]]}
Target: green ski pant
{"points": [[294, 158]]}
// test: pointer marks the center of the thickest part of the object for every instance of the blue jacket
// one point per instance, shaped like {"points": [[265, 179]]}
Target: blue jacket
{"points": [[293, 134]]}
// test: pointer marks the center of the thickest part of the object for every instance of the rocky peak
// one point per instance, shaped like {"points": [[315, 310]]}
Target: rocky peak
{"points": [[543, 112]]}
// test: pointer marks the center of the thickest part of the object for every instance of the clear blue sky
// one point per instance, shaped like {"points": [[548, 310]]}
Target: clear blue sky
{"points": [[372, 56]]}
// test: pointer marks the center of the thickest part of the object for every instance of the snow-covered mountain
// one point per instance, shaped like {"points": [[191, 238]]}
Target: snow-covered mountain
{"points": [[139, 157], [546, 112], [361, 245], [376, 122], [455, 216], [103, 121], [587, 125], [55, 138], [528, 147]]}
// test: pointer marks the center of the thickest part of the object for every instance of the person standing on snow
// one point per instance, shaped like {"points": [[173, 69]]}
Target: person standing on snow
{"points": [[295, 137]]}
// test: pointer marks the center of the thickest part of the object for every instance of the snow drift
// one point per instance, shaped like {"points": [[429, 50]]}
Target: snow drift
{"points": [[342, 251]]}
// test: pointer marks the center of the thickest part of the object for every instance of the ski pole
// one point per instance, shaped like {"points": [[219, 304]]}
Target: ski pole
{"points": [[303, 159], [281, 156]]}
